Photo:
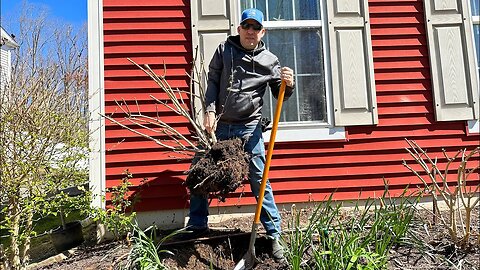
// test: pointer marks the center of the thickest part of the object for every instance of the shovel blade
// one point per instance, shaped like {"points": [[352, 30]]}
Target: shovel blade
{"points": [[247, 262]]}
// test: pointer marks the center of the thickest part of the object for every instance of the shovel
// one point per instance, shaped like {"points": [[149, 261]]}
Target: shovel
{"points": [[249, 260]]}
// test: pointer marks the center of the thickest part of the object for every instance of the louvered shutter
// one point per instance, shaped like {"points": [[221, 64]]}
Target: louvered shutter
{"points": [[212, 22], [452, 60], [352, 63]]}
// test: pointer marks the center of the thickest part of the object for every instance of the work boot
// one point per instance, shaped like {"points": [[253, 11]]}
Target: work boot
{"points": [[277, 251]]}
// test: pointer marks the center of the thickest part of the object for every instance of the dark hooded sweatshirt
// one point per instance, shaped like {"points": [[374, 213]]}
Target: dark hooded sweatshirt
{"points": [[237, 80]]}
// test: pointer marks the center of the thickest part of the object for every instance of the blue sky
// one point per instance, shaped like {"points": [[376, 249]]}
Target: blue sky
{"points": [[69, 11]]}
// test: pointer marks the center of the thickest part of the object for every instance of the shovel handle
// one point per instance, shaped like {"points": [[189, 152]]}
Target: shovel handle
{"points": [[271, 143]]}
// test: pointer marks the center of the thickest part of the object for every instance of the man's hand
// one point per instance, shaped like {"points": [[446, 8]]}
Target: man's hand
{"points": [[286, 74], [209, 122]]}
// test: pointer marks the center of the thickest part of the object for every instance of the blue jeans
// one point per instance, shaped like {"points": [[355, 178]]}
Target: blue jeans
{"points": [[254, 145]]}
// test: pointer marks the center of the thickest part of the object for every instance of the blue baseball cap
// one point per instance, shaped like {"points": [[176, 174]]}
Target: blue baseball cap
{"points": [[252, 13]]}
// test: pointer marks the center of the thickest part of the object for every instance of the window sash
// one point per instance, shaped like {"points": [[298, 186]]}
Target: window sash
{"points": [[311, 130], [294, 24]]}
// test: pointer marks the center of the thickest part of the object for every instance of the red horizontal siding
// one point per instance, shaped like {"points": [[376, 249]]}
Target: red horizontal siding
{"points": [[158, 32], [398, 65], [404, 85], [394, 42], [121, 49], [394, 7], [144, 108], [135, 36], [151, 13], [400, 52], [133, 4], [154, 32]]}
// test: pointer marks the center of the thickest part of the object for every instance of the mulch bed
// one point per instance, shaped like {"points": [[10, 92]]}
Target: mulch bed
{"points": [[223, 252]]}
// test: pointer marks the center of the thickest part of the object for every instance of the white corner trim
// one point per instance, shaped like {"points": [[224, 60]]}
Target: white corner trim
{"points": [[473, 126], [306, 133], [96, 90]]}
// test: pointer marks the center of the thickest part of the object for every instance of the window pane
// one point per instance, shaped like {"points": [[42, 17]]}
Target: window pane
{"points": [[309, 51], [312, 98], [307, 10], [302, 51], [282, 10], [281, 43], [475, 7], [258, 4]]}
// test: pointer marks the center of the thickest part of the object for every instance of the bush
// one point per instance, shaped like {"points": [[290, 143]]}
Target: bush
{"points": [[119, 215], [461, 197]]}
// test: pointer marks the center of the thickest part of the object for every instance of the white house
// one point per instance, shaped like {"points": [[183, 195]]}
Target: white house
{"points": [[7, 44]]}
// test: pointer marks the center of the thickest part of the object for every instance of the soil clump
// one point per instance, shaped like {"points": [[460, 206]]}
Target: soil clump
{"points": [[221, 171]]}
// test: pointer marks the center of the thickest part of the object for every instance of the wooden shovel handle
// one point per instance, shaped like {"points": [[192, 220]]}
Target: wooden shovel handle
{"points": [[271, 143]]}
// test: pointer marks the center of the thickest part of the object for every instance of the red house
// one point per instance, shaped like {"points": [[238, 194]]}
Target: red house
{"points": [[368, 75]]}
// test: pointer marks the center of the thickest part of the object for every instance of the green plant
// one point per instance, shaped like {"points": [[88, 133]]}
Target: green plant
{"points": [[62, 203], [118, 216], [461, 198], [301, 239], [145, 254], [333, 240]]}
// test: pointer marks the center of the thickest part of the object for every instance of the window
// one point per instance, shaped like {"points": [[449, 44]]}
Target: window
{"points": [[334, 77], [294, 35]]}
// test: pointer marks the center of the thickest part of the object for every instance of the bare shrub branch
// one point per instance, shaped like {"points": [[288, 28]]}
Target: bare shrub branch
{"points": [[144, 125], [461, 192]]}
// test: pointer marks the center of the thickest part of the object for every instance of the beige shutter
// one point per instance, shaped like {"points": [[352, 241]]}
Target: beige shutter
{"points": [[352, 63], [452, 62], [212, 22]]}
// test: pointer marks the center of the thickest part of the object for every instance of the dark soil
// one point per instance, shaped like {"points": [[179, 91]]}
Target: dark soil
{"points": [[220, 253], [221, 171], [223, 247], [434, 248]]}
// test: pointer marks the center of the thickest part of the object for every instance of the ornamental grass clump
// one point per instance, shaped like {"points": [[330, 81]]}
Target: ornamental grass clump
{"points": [[331, 240], [460, 195], [145, 253]]}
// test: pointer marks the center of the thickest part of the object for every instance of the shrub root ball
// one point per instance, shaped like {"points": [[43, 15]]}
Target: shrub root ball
{"points": [[221, 171]]}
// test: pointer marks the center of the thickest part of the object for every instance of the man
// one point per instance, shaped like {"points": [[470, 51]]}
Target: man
{"points": [[238, 76]]}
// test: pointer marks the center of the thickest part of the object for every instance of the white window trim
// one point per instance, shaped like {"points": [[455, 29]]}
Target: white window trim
{"points": [[288, 133], [310, 131], [305, 24], [474, 125]]}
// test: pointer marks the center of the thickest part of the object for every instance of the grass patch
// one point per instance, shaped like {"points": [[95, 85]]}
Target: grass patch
{"points": [[359, 240], [44, 224]]}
